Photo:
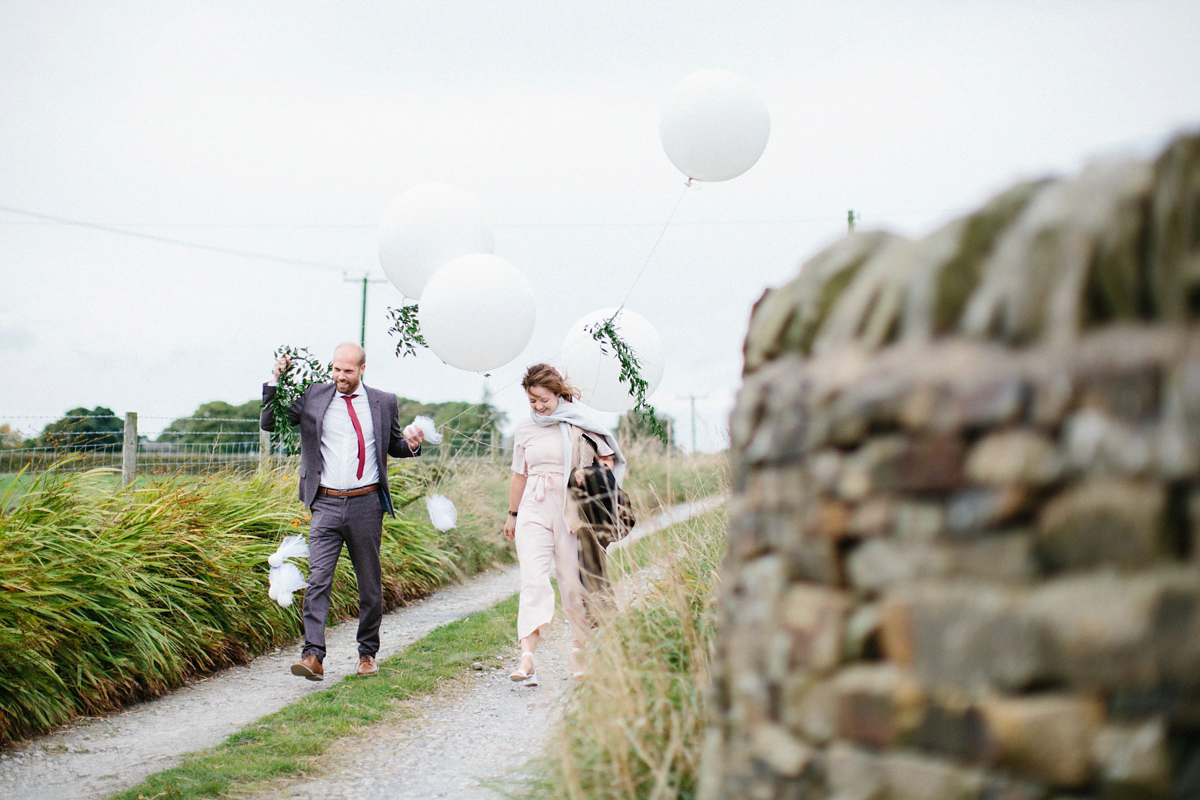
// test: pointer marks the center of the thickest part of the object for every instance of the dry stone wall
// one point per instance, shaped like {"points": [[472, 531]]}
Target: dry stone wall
{"points": [[964, 556]]}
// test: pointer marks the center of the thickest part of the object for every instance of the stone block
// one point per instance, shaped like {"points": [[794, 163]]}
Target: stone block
{"points": [[1096, 444], [1126, 392], [853, 773], [973, 512], [1020, 456], [879, 564], [877, 706], [825, 468], [1001, 558], [927, 465], [918, 521], [808, 553], [782, 753], [1138, 632], [1100, 630], [917, 777], [956, 730], [875, 516], [862, 469], [831, 519], [1048, 737], [1133, 760], [815, 618], [1104, 523], [967, 637], [810, 707], [776, 488], [954, 407]]}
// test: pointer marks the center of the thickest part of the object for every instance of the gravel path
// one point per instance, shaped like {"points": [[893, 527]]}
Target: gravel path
{"points": [[454, 745], [480, 735], [480, 732], [98, 756]]}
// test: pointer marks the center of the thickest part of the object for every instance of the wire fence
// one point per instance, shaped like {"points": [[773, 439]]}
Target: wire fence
{"points": [[83, 442]]}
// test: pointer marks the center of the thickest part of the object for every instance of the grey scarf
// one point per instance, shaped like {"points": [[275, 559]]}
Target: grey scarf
{"points": [[572, 414]]}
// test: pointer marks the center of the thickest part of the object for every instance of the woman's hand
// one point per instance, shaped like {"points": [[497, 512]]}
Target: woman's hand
{"points": [[510, 528]]}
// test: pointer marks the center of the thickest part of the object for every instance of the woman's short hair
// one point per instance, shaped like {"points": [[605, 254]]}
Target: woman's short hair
{"points": [[548, 377]]}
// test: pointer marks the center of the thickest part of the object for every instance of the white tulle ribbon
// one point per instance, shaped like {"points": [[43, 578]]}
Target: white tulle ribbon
{"points": [[442, 512], [292, 547], [283, 581], [426, 426]]}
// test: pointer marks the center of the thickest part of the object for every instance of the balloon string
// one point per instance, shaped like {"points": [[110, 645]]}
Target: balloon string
{"points": [[646, 263], [687, 185]]}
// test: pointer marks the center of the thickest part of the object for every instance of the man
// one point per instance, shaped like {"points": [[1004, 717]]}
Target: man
{"points": [[347, 431]]}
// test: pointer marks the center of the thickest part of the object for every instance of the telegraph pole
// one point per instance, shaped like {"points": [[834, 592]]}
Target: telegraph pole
{"points": [[362, 330], [851, 218], [693, 398]]}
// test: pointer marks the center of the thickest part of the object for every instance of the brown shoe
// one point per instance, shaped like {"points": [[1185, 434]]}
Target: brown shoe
{"points": [[367, 666], [309, 666]]}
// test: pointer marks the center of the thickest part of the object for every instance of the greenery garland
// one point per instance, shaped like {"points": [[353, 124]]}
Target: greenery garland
{"points": [[605, 333], [407, 328], [304, 370]]}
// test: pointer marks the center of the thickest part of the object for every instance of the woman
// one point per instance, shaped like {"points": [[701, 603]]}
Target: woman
{"points": [[546, 448]]}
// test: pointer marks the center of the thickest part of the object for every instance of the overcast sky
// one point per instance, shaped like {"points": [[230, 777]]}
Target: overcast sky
{"points": [[286, 128]]}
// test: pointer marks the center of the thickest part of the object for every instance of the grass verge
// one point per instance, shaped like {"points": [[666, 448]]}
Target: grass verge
{"points": [[634, 728], [110, 595], [287, 742]]}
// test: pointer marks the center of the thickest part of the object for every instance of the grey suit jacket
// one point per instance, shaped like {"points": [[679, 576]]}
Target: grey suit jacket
{"points": [[308, 412]]}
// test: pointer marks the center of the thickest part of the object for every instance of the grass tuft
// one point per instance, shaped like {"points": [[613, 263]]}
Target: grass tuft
{"points": [[110, 595], [634, 727]]}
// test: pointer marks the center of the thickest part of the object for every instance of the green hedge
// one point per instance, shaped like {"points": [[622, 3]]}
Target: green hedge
{"points": [[114, 595]]}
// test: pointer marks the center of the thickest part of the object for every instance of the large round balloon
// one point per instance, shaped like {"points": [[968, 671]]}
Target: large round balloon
{"points": [[477, 312], [427, 226], [715, 125], [596, 373]]}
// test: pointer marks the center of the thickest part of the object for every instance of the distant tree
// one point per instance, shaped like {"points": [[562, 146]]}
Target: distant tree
{"points": [[9, 438], [210, 424], [80, 429], [634, 427]]}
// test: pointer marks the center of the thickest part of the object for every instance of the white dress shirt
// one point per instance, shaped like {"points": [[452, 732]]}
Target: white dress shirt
{"points": [[339, 443]]}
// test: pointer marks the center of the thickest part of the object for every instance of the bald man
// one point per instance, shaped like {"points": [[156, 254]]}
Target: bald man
{"points": [[347, 431]]}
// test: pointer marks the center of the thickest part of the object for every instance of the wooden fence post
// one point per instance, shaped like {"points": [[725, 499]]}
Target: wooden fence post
{"points": [[129, 449], [264, 447]]}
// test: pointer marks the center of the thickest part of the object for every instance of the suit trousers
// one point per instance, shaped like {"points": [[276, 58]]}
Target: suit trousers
{"points": [[358, 522]]}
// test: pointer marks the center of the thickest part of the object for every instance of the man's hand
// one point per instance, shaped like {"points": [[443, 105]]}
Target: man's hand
{"points": [[414, 436], [281, 366]]}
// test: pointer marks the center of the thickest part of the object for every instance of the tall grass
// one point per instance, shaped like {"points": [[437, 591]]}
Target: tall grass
{"points": [[112, 595], [634, 726], [657, 478]]}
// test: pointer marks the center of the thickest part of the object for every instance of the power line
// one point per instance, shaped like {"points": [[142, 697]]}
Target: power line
{"points": [[178, 242]]}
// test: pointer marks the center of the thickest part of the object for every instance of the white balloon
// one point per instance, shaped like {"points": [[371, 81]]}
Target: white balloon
{"points": [[715, 125], [427, 226], [477, 312], [596, 374]]}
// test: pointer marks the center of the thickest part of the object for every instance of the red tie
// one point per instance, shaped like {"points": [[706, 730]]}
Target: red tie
{"points": [[362, 446]]}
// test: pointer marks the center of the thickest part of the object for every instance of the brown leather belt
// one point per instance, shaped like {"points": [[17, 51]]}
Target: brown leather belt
{"points": [[359, 492]]}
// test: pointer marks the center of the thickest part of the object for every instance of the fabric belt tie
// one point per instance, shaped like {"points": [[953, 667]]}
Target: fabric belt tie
{"points": [[359, 492], [539, 482], [362, 445]]}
